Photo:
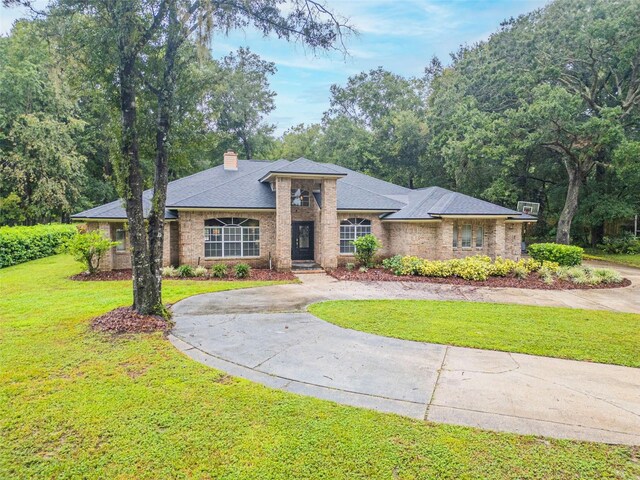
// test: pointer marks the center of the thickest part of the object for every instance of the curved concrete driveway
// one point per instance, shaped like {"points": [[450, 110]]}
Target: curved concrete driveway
{"points": [[265, 335]]}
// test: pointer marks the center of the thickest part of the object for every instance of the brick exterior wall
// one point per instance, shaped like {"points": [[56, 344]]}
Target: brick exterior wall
{"points": [[432, 240], [191, 237], [380, 230]]}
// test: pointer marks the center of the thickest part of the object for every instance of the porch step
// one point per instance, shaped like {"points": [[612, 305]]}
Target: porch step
{"points": [[308, 272], [306, 266]]}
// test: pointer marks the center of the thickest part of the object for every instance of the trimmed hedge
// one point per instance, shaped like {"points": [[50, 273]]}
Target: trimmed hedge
{"points": [[21, 244], [565, 255]]}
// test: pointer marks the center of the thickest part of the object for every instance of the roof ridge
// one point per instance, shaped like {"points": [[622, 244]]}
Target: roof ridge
{"points": [[224, 183]]}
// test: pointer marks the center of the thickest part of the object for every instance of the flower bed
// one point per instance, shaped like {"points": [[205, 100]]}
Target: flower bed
{"points": [[482, 271], [532, 281], [256, 274]]}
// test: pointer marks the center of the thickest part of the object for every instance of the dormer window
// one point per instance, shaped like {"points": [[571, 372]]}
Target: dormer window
{"points": [[299, 198]]}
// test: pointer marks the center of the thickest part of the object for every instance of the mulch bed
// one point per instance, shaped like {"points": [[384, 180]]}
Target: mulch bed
{"points": [[127, 320], [257, 274], [532, 281]]}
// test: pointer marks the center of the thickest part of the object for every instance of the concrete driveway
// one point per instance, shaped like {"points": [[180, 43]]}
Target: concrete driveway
{"points": [[266, 335]]}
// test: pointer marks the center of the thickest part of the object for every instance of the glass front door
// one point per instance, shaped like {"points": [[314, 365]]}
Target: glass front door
{"points": [[302, 240]]}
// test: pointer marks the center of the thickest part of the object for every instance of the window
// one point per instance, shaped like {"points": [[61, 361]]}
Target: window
{"points": [[479, 236], [231, 237], [455, 235], [350, 229], [121, 238], [466, 236], [299, 198]]}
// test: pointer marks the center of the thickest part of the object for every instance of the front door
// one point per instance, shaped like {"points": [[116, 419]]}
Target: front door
{"points": [[302, 240]]}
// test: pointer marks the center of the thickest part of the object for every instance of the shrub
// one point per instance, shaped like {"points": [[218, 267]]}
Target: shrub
{"points": [[546, 274], [242, 270], [169, 272], [501, 267], [186, 271], [394, 264], [200, 271], [220, 270], [350, 266], [566, 255], [521, 272], [88, 248], [626, 243], [363, 269], [470, 268], [22, 244], [366, 248], [607, 275]]}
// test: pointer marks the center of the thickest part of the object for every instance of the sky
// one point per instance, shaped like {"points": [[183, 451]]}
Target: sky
{"points": [[400, 36]]}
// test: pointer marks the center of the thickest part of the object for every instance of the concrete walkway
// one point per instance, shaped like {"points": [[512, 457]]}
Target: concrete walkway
{"points": [[266, 335]]}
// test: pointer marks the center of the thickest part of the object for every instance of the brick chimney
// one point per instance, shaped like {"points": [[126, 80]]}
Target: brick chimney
{"points": [[230, 160]]}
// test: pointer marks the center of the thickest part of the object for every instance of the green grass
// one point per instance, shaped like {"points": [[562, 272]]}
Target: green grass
{"points": [[593, 335], [77, 404], [628, 259]]}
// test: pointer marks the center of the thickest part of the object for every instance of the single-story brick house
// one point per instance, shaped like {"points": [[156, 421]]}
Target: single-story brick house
{"points": [[276, 213]]}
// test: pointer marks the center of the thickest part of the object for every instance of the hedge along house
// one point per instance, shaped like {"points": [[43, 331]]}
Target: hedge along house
{"points": [[283, 212]]}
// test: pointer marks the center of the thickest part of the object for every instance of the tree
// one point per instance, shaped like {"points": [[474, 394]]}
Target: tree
{"points": [[299, 141], [384, 112], [543, 104], [39, 126], [134, 37], [244, 99]]}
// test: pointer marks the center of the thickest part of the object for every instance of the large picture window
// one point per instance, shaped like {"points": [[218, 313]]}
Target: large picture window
{"points": [[231, 237], [350, 229]]}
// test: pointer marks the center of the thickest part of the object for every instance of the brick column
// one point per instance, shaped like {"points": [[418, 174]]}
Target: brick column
{"points": [[500, 239], [329, 225], [283, 224], [445, 239], [106, 262]]}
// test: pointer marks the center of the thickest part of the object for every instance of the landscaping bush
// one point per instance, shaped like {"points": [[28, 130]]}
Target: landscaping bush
{"points": [[480, 268], [242, 270], [350, 266], [565, 255], [200, 271], [626, 243], [169, 272], [88, 248], [220, 270], [21, 244], [394, 264], [186, 271], [366, 248]]}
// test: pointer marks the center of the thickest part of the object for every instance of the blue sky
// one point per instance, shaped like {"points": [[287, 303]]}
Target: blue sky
{"points": [[400, 36]]}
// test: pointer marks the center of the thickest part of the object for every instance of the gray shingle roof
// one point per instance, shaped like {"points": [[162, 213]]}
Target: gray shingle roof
{"points": [[306, 167], [433, 202], [243, 189]]}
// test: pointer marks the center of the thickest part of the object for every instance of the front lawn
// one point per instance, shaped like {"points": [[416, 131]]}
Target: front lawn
{"points": [[628, 259], [78, 404], [593, 335]]}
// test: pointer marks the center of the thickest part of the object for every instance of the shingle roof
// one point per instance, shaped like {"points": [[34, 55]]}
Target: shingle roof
{"points": [[433, 202], [304, 166], [243, 189]]}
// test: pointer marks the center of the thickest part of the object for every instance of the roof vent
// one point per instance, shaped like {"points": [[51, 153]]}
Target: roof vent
{"points": [[230, 160]]}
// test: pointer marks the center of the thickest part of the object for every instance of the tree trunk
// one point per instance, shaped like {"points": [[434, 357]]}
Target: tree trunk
{"points": [[165, 96], [146, 294], [576, 179]]}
